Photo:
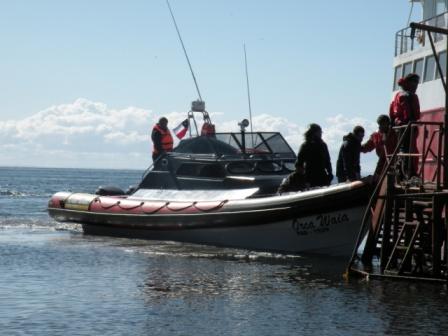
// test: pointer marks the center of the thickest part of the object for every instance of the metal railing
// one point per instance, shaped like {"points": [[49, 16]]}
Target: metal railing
{"points": [[426, 151], [404, 43]]}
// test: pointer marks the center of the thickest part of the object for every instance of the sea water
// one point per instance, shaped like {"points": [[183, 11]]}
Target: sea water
{"points": [[54, 280]]}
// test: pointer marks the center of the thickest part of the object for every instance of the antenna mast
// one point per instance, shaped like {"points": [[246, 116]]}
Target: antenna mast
{"points": [[185, 51], [248, 89]]}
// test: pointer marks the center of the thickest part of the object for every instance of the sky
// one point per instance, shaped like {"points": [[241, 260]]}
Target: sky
{"points": [[82, 82]]}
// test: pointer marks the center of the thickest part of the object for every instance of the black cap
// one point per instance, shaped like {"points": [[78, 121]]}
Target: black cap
{"points": [[412, 77]]}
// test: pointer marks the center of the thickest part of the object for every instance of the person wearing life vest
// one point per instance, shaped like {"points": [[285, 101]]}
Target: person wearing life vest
{"points": [[405, 108], [383, 142], [208, 130], [161, 139]]}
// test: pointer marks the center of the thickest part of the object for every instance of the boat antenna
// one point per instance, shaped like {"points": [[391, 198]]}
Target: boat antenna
{"points": [[185, 51], [410, 13], [248, 92], [248, 87]]}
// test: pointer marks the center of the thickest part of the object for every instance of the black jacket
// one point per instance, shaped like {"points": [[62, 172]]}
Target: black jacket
{"points": [[314, 158], [348, 166]]}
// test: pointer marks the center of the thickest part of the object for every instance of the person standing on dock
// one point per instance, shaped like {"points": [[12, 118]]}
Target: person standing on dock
{"points": [[404, 109], [348, 167], [383, 141], [313, 165], [161, 138]]}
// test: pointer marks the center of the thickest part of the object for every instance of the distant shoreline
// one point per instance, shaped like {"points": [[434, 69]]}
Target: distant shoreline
{"points": [[70, 168]]}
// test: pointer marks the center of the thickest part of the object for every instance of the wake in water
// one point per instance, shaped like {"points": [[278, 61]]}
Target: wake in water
{"points": [[33, 224], [186, 250], [12, 193]]}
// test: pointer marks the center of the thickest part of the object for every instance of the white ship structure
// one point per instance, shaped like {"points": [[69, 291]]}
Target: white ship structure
{"points": [[415, 55]]}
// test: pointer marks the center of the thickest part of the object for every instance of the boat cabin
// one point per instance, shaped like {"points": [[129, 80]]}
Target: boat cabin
{"points": [[224, 161]]}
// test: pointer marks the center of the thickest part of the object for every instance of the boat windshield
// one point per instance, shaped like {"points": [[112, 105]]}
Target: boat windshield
{"points": [[232, 144], [257, 142]]}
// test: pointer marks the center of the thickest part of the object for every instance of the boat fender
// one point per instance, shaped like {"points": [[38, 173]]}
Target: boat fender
{"points": [[109, 191]]}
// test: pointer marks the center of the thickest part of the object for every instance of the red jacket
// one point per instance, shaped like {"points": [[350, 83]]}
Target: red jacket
{"points": [[404, 108], [381, 143], [384, 144]]}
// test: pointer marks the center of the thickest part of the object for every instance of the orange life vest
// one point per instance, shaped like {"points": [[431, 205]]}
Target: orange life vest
{"points": [[166, 139], [208, 129]]}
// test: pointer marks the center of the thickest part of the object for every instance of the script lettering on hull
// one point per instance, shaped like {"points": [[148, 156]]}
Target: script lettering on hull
{"points": [[318, 224]]}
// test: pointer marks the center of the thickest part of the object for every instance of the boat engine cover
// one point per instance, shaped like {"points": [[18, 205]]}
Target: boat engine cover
{"points": [[109, 191]]}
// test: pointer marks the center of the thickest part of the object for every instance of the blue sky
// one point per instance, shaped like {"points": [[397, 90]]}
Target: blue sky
{"points": [[309, 61]]}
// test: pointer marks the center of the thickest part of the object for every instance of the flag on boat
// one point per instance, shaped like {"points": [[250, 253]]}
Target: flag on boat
{"points": [[181, 129]]}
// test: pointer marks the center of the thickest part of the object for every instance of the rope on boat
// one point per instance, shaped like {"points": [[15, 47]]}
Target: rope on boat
{"points": [[184, 208], [98, 199], [165, 205], [131, 207], [156, 210], [220, 205]]}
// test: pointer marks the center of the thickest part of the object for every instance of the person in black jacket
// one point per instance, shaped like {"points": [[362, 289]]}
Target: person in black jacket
{"points": [[313, 165], [348, 167]]}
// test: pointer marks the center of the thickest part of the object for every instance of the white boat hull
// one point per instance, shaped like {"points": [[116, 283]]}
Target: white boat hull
{"points": [[332, 233], [321, 221]]}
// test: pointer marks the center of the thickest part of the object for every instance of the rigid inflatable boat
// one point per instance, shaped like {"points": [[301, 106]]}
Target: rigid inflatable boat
{"points": [[220, 189], [324, 220]]}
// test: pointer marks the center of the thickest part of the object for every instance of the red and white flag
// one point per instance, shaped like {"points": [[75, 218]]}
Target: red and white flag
{"points": [[181, 129]]}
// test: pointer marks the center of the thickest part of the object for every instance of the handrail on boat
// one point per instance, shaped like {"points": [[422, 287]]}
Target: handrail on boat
{"points": [[148, 170], [403, 38]]}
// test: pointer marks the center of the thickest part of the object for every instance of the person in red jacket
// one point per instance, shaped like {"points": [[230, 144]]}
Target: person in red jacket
{"points": [[405, 108], [161, 138], [384, 141]]}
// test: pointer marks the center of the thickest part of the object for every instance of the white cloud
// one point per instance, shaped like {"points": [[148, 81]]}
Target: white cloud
{"points": [[334, 128], [91, 134], [82, 133], [338, 126]]}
